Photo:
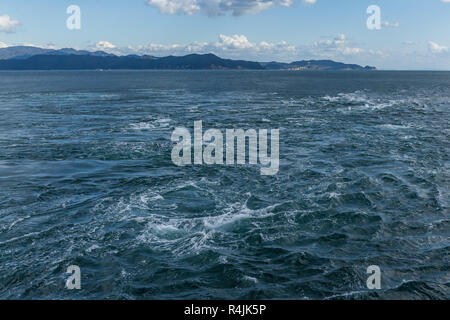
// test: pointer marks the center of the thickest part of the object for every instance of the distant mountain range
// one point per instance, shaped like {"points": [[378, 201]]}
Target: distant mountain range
{"points": [[314, 65], [33, 58]]}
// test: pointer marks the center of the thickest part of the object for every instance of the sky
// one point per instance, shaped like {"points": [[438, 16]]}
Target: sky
{"points": [[413, 34]]}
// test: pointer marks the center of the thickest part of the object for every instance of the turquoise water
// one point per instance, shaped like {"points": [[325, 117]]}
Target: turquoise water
{"points": [[86, 179]]}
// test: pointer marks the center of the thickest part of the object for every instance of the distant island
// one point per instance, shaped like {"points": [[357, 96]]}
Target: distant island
{"points": [[314, 65], [33, 58]]}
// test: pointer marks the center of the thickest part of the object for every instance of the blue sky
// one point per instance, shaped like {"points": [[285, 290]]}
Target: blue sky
{"points": [[415, 34]]}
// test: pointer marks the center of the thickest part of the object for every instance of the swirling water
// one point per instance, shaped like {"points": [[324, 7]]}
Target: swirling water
{"points": [[86, 179]]}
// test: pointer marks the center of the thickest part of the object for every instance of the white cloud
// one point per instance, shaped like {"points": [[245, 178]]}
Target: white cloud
{"points": [[29, 44], [218, 7], [175, 6], [335, 47], [3, 45], [352, 51], [103, 46], [234, 42], [7, 24], [436, 48]]}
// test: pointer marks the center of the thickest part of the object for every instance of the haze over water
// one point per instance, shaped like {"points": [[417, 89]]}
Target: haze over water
{"points": [[86, 178]]}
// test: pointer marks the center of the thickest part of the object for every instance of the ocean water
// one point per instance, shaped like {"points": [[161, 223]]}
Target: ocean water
{"points": [[86, 179]]}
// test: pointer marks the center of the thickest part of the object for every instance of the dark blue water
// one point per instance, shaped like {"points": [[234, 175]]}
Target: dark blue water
{"points": [[86, 179]]}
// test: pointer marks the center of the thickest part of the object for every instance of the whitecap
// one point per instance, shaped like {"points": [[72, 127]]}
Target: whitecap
{"points": [[142, 126], [92, 248], [250, 279], [393, 127]]}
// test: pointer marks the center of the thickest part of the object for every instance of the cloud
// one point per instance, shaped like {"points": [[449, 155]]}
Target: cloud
{"points": [[218, 7], [335, 47], [436, 48], [234, 42], [103, 46], [175, 6], [3, 45], [7, 24], [29, 44]]}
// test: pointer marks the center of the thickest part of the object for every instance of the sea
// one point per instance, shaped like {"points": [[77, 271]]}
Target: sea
{"points": [[87, 180]]}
